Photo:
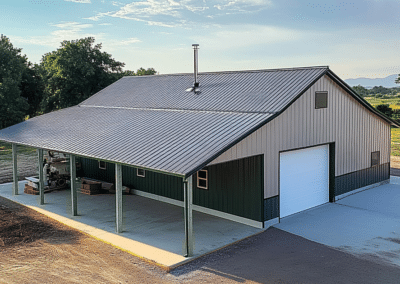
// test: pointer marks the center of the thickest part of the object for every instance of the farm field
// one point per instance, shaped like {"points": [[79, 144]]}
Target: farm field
{"points": [[395, 151], [392, 101]]}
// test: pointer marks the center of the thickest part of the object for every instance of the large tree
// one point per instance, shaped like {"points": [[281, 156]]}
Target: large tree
{"points": [[361, 90], [12, 67], [32, 88], [386, 109], [75, 71]]}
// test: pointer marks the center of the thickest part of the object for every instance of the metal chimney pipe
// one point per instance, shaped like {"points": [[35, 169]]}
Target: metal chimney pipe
{"points": [[196, 68]]}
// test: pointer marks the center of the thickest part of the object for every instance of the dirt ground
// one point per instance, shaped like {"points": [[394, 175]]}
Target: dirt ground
{"points": [[27, 166], [37, 249], [395, 162]]}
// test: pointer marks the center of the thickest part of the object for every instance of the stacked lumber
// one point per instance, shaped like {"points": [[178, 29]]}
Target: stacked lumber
{"points": [[30, 190], [107, 187], [90, 187]]}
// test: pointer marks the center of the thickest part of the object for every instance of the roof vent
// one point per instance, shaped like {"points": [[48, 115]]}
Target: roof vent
{"points": [[196, 83]]}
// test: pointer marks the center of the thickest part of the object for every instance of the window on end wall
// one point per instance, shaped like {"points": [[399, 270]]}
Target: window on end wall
{"points": [[321, 100], [102, 165], [375, 158], [202, 179], [140, 173]]}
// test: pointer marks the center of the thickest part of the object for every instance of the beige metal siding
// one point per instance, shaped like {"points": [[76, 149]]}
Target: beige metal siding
{"points": [[356, 131]]}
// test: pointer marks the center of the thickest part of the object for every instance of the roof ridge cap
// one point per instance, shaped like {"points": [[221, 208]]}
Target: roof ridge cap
{"points": [[234, 71], [179, 110]]}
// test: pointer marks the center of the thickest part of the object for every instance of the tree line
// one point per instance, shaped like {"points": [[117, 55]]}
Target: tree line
{"points": [[63, 78], [377, 91], [383, 93]]}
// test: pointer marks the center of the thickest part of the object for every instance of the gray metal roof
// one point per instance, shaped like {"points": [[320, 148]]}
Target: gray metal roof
{"points": [[245, 91], [176, 142], [152, 122]]}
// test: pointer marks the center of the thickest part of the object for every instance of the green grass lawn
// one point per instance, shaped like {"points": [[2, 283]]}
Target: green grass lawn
{"points": [[6, 149], [393, 102], [395, 142]]}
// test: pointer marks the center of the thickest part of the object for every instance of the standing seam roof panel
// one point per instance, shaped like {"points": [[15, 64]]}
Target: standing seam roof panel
{"points": [[152, 139], [255, 91]]}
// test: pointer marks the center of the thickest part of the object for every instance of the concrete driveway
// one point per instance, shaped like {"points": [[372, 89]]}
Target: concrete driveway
{"points": [[366, 224]]}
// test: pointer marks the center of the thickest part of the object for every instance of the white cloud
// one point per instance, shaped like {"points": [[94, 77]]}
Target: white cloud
{"points": [[129, 41], [243, 6], [118, 4], [64, 31], [72, 26], [105, 24], [234, 36], [148, 8], [118, 46], [79, 1], [175, 13], [98, 16]]}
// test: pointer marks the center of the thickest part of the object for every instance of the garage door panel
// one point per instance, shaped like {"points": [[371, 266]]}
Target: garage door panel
{"points": [[304, 179]]}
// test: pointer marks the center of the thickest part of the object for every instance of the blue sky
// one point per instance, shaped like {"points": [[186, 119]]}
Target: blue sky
{"points": [[356, 39]]}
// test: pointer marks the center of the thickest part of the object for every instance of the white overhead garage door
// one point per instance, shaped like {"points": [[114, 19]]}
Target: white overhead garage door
{"points": [[304, 179]]}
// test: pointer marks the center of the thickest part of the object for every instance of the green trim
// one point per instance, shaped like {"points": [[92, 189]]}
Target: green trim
{"points": [[332, 166], [351, 181]]}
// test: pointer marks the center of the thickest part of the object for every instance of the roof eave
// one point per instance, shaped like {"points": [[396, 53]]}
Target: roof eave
{"points": [[96, 158]]}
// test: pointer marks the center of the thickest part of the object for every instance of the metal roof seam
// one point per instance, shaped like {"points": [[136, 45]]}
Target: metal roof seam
{"points": [[182, 110]]}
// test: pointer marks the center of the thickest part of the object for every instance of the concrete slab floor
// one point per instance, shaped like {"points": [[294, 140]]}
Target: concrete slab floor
{"points": [[153, 230], [366, 224]]}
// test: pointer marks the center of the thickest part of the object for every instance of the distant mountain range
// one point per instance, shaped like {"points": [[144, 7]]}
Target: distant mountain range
{"points": [[387, 82]]}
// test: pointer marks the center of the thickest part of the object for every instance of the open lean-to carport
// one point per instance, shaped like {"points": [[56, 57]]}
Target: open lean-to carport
{"points": [[187, 185], [153, 223]]}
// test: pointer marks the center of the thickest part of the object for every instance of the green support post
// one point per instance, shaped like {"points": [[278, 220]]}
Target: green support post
{"points": [[118, 197], [41, 176], [188, 217], [15, 169], [74, 197]]}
